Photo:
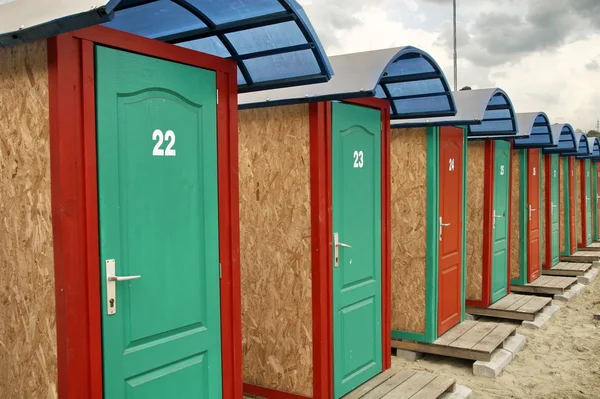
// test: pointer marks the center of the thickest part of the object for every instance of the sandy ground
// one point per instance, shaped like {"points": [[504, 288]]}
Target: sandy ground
{"points": [[560, 360]]}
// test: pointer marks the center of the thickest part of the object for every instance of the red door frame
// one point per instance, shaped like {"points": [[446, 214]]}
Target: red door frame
{"points": [[572, 205], [533, 186], [75, 208], [583, 202], [321, 234]]}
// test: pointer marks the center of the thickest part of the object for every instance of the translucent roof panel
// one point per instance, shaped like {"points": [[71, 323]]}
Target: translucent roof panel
{"points": [[582, 148], [407, 76], [272, 41], [564, 136], [594, 149], [535, 131], [488, 113]]}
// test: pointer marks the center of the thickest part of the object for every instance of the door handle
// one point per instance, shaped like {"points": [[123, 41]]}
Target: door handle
{"points": [[442, 225], [495, 217], [336, 245], [552, 206], [111, 285], [531, 210]]}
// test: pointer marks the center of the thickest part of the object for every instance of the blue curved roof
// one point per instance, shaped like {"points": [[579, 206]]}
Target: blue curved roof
{"points": [[564, 136], [408, 77], [582, 147], [272, 41], [594, 149], [488, 113], [535, 130]]}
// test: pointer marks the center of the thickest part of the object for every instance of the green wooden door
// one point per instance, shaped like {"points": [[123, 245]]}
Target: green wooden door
{"points": [[157, 189], [588, 203], [554, 211], [500, 220], [356, 200]]}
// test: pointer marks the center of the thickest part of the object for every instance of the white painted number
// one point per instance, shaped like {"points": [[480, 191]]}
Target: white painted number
{"points": [[501, 170], [534, 171], [451, 164], [159, 137], [358, 159]]}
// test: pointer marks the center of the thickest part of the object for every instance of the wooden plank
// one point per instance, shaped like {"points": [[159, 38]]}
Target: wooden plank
{"points": [[563, 272], [501, 314], [455, 332], [520, 302], [371, 384], [495, 338], [522, 288], [442, 350], [541, 281], [411, 386], [387, 386], [535, 305], [473, 336], [505, 302], [435, 388], [555, 282]]}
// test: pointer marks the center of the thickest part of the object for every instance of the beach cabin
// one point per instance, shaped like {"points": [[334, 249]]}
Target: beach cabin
{"points": [[439, 206], [315, 221], [119, 170], [594, 144]]}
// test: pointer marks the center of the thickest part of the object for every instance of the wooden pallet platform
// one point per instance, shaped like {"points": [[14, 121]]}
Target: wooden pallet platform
{"points": [[593, 247], [582, 257], [471, 339], [568, 269], [394, 384], [549, 285], [513, 307]]}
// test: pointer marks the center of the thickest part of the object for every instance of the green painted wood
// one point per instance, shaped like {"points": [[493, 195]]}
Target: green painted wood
{"points": [[158, 219], [523, 220], [595, 201], [500, 225], [554, 210], [356, 201], [432, 233], [588, 202], [567, 206]]}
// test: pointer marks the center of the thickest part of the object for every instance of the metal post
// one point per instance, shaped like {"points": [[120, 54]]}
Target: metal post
{"points": [[455, 55]]}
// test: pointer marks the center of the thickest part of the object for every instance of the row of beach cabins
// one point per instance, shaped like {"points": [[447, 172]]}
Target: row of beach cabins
{"points": [[220, 209]]}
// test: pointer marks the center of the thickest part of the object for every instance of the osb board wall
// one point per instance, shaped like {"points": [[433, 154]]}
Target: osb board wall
{"points": [[561, 206], [274, 172], [515, 225], [543, 211], [475, 233], [27, 314], [409, 212], [578, 215]]}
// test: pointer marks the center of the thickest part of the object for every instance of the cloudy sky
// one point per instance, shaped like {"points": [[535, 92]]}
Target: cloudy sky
{"points": [[544, 53]]}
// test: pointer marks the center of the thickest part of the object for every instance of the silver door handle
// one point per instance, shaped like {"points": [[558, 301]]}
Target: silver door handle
{"points": [[341, 244], [597, 197], [442, 225], [336, 245], [531, 210], [495, 217], [122, 278]]}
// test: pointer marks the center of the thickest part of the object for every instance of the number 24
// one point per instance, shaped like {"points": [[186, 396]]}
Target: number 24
{"points": [[158, 136]]}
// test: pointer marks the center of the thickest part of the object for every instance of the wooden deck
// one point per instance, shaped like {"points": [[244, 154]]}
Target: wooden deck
{"points": [[395, 384], [582, 257], [568, 269], [513, 307], [593, 247], [549, 285], [471, 339]]}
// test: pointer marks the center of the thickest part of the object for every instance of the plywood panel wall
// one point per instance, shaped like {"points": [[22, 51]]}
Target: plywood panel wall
{"points": [[561, 206], [578, 215], [409, 211], [475, 215], [515, 225], [27, 314], [276, 248]]}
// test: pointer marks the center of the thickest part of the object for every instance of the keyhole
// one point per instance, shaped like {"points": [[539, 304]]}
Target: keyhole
{"points": [[337, 260], [112, 303]]}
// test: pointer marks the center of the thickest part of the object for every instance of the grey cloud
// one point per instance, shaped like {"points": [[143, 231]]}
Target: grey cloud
{"points": [[593, 66]]}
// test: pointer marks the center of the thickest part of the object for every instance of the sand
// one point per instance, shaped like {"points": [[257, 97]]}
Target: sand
{"points": [[560, 360]]}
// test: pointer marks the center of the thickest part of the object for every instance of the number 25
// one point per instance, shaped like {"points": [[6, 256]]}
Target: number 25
{"points": [[158, 136]]}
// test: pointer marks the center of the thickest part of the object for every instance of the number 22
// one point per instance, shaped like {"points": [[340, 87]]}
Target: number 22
{"points": [[158, 136]]}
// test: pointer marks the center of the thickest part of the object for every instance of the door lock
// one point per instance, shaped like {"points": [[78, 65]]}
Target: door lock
{"points": [[336, 247], [111, 286]]}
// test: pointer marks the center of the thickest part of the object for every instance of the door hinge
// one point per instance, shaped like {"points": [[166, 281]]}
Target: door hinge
{"points": [[220, 271], [217, 96]]}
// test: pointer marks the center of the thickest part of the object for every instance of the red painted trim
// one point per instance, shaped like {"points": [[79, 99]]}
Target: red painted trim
{"points": [[547, 259], [373, 102], [583, 205], [270, 393], [320, 116], [510, 211], [75, 209]]}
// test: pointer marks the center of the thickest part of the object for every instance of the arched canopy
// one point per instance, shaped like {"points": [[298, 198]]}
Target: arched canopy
{"points": [[582, 149], [407, 76], [488, 113], [564, 135], [535, 131], [272, 41], [594, 149]]}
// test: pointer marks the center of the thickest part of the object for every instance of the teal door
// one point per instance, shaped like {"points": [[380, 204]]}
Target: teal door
{"points": [[356, 200], [157, 195], [554, 211], [588, 203], [500, 220]]}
